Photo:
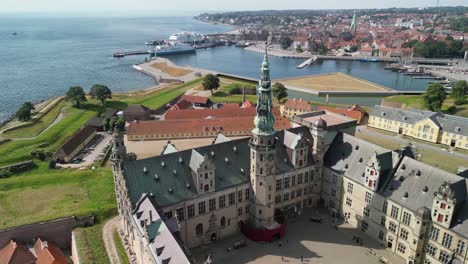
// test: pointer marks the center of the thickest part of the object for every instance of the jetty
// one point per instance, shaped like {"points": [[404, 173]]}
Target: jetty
{"points": [[120, 54], [307, 62]]}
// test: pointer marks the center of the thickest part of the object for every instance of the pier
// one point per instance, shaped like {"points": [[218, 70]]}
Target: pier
{"points": [[307, 62], [129, 53]]}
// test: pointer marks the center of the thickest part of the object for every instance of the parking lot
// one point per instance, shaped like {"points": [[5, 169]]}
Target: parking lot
{"points": [[94, 151], [318, 243]]}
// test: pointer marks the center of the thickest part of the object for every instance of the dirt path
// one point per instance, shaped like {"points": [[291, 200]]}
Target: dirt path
{"points": [[107, 236]]}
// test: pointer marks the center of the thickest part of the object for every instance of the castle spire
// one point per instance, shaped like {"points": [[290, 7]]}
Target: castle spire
{"points": [[264, 120]]}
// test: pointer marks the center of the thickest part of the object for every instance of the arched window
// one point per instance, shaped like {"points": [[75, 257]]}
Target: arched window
{"points": [[199, 230], [223, 221]]}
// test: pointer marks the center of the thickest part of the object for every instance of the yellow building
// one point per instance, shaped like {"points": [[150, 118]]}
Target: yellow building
{"points": [[424, 125], [294, 107]]}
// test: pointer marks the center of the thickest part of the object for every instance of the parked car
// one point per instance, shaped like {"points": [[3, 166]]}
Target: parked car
{"points": [[240, 244]]}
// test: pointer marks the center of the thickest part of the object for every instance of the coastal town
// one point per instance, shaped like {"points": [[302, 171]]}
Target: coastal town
{"points": [[210, 166]]}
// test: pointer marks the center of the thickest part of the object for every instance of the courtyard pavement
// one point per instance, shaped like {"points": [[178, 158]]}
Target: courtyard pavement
{"points": [[318, 243]]}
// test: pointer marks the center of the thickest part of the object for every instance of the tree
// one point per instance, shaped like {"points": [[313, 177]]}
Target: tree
{"points": [[100, 92], [106, 124], [459, 90], [112, 122], [286, 42], [24, 113], [434, 96], [210, 82], [279, 91], [120, 124], [76, 94]]}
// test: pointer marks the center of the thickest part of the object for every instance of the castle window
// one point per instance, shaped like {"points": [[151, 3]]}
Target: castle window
{"points": [[239, 196], [382, 220], [212, 204], [293, 180], [434, 233], [207, 187], [444, 257], [306, 177], [366, 211], [286, 197], [442, 206], [404, 234], [278, 199], [299, 179], [406, 218], [223, 221], [440, 218], [222, 201], [401, 248], [180, 214], [350, 187], [368, 197], [349, 202], [199, 230], [201, 208], [286, 182], [247, 194], [460, 247], [190, 211], [232, 197], [447, 240], [431, 250], [372, 172], [371, 183], [278, 185], [381, 235], [239, 211], [392, 227], [384, 207], [206, 175], [394, 212], [364, 226], [299, 193]]}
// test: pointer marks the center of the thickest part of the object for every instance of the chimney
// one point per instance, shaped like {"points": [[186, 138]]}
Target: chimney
{"points": [[243, 93]]}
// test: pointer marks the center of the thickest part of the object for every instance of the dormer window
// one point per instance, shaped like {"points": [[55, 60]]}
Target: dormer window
{"points": [[372, 172], [442, 205]]}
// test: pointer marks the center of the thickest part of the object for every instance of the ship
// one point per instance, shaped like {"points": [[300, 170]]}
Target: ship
{"points": [[186, 37], [172, 49]]}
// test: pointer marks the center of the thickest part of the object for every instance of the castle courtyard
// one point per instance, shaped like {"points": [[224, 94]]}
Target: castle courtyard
{"points": [[318, 243]]}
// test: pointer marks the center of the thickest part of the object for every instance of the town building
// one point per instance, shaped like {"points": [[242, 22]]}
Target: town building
{"points": [[197, 101], [173, 202], [43, 252], [136, 112], [404, 53], [294, 107], [15, 253], [75, 144], [433, 127], [349, 112]]}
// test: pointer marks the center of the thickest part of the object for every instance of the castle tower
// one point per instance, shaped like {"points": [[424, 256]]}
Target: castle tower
{"points": [[263, 153], [353, 25]]}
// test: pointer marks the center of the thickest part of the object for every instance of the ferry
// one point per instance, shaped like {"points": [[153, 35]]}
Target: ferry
{"points": [[186, 37], [176, 48], [369, 60]]}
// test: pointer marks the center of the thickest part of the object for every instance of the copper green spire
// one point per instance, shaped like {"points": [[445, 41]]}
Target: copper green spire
{"points": [[264, 120]]}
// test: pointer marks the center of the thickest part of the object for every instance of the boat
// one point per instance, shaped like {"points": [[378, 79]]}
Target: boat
{"points": [[369, 60], [119, 54], [154, 42], [186, 37], [14, 33], [172, 49]]}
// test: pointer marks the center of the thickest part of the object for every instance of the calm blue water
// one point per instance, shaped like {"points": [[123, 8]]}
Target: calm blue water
{"points": [[50, 54]]}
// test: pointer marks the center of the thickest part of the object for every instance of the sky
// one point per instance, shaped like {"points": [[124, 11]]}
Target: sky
{"points": [[122, 6]]}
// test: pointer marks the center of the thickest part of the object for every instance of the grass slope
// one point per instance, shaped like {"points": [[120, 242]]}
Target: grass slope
{"points": [[90, 245], [417, 102], [44, 194], [120, 248]]}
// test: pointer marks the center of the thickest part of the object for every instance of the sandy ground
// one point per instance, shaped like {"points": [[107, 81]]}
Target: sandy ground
{"points": [[162, 66], [317, 243], [333, 82], [151, 148], [107, 236]]}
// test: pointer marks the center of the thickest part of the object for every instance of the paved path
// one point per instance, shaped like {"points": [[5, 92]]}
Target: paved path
{"points": [[107, 236], [398, 138]]}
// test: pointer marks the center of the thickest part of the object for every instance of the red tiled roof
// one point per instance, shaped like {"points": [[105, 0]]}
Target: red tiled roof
{"points": [[217, 113], [297, 104], [223, 125], [194, 99], [247, 104], [15, 253], [48, 253], [182, 104], [346, 112]]}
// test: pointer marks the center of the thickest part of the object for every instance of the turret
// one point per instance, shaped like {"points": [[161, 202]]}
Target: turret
{"points": [[263, 153], [443, 205], [119, 152]]}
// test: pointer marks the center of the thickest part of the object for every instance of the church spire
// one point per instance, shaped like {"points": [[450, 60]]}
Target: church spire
{"points": [[264, 120]]}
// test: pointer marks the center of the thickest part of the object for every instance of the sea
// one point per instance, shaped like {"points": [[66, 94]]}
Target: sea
{"points": [[50, 53]]}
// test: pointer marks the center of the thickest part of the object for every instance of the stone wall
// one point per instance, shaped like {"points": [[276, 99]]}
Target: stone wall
{"points": [[57, 231]]}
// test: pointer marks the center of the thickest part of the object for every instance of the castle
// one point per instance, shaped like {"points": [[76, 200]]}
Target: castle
{"points": [[183, 199]]}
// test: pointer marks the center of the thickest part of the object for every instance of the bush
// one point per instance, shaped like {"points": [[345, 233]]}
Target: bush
{"points": [[237, 89], [52, 164], [451, 110], [39, 154], [5, 173], [459, 101]]}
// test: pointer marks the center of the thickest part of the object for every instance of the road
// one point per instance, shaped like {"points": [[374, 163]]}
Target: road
{"points": [[107, 236], [404, 141]]}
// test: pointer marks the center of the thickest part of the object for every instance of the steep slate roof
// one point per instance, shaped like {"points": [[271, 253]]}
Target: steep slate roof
{"points": [[163, 244], [169, 148], [220, 138], [447, 123], [349, 155], [78, 138], [95, 121], [15, 253], [169, 177]]}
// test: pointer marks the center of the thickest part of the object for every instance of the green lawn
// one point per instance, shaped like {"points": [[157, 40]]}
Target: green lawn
{"points": [[445, 162], [120, 248], [417, 102], [43, 194], [49, 141], [90, 245], [36, 126]]}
